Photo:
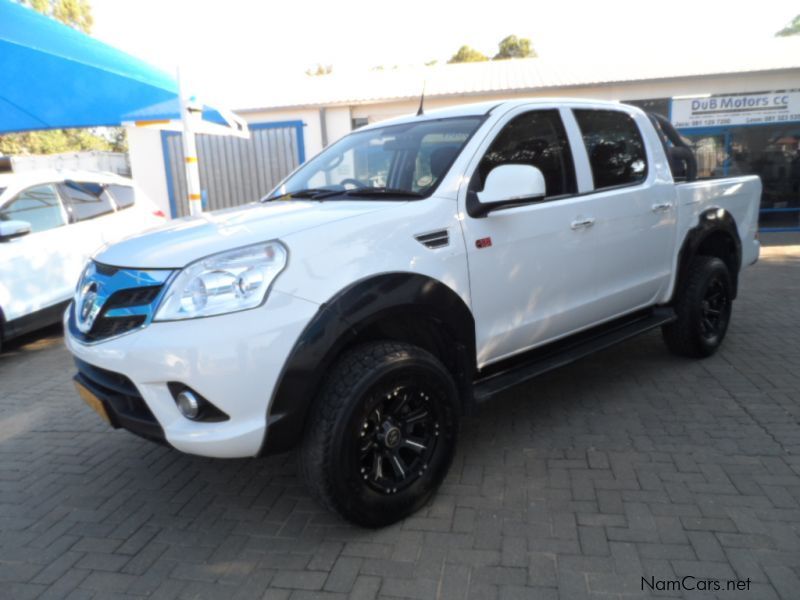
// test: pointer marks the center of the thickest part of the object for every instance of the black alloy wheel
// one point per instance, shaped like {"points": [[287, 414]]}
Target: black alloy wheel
{"points": [[715, 310], [398, 435], [381, 434], [703, 304]]}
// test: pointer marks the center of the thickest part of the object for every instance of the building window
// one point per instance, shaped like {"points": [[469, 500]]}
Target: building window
{"points": [[358, 122]]}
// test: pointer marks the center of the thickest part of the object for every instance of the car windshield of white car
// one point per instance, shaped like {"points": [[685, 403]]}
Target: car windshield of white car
{"points": [[406, 161]]}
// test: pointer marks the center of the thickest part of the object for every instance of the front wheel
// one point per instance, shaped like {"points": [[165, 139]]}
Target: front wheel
{"points": [[381, 434], [703, 307]]}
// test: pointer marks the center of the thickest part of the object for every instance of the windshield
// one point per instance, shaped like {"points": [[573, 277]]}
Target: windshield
{"points": [[405, 161]]}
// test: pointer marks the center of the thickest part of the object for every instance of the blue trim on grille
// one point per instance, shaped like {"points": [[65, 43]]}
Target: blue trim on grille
{"points": [[101, 285]]}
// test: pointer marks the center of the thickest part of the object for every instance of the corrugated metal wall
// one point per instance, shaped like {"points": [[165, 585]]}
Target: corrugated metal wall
{"points": [[234, 171]]}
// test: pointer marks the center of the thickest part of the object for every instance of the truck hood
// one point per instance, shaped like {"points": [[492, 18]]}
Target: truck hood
{"points": [[188, 239]]}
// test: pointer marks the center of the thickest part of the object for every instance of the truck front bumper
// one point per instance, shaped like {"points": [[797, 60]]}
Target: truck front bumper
{"points": [[233, 360]]}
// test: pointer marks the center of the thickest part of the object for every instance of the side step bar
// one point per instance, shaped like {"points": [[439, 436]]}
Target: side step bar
{"points": [[497, 378]]}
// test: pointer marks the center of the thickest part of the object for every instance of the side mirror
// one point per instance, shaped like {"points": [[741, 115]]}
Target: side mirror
{"points": [[507, 186], [13, 229]]}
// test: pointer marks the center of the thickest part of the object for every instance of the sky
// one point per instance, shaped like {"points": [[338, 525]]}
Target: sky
{"points": [[218, 43]]}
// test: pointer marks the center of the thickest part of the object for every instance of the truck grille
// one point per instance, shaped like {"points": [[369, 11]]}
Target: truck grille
{"points": [[111, 301]]}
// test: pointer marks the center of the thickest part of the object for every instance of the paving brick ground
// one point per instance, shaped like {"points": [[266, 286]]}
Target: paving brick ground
{"points": [[625, 465]]}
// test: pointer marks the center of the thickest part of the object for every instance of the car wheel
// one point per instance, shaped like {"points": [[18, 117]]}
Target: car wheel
{"points": [[381, 434], [703, 307]]}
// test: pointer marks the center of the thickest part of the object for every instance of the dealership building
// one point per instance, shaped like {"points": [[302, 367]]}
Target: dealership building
{"points": [[740, 108]]}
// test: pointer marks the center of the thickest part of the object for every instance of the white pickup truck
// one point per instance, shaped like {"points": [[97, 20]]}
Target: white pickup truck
{"points": [[407, 272]]}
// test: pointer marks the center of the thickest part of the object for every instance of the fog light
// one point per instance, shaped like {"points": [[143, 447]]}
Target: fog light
{"points": [[188, 404]]}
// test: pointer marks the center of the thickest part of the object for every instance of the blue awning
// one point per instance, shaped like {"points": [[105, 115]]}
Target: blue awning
{"points": [[56, 77]]}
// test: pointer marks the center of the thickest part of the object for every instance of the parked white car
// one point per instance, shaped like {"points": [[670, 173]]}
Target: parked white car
{"points": [[51, 222], [408, 271]]}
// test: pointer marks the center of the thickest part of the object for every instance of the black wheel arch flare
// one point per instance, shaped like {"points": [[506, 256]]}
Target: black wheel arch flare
{"points": [[342, 320], [715, 226]]}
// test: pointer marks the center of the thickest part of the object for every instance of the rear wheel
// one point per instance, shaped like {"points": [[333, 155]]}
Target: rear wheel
{"points": [[703, 307], [382, 433]]}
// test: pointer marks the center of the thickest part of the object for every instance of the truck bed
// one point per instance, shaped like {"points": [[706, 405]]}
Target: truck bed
{"points": [[740, 196]]}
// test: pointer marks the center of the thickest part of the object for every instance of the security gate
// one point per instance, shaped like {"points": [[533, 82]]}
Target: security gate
{"points": [[234, 171]]}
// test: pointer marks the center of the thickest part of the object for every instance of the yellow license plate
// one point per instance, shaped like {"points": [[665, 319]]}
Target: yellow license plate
{"points": [[93, 401]]}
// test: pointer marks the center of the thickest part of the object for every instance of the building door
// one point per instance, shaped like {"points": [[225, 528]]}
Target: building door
{"points": [[234, 171]]}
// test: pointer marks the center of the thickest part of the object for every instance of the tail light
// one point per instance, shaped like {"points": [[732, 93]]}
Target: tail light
{"points": [[159, 213]]}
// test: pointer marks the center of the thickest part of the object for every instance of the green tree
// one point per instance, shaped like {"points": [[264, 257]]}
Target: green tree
{"points": [[319, 69], [467, 54], [78, 15], [514, 47], [75, 13], [792, 28]]}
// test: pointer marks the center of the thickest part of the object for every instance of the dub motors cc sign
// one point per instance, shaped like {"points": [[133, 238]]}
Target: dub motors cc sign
{"points": [[736, 109]]}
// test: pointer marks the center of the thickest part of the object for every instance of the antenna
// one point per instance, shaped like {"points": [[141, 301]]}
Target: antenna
{"points": [[420, 111]]}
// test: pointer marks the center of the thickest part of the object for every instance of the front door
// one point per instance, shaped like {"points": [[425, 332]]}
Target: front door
{"points": [[531, 266], [37, 270]]}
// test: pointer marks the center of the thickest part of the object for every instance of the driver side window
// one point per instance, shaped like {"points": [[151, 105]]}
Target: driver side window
{"points": [[538, 139], [40, 206]]}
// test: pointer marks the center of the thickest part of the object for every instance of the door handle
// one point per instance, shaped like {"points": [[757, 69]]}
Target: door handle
{"points": [[582, 223], [662, 207]]}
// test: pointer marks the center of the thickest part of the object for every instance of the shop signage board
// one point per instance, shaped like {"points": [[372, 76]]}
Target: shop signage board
{"points": [[767, 108]]}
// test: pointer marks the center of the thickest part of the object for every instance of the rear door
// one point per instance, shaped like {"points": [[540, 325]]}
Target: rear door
{"points": [[633, 209], [90, 208]]}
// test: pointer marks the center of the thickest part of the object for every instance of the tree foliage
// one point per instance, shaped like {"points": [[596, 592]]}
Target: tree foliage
{"points": [[319, 69], [792, 28], [467, 54], [78, 15], [75, 13], [509, 47], [513, 47], [63, 140]]}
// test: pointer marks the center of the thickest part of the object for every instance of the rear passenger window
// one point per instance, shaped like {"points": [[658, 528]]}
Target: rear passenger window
{"points": [[123, 195], [87, 199], [535, 138], [615, 147]]}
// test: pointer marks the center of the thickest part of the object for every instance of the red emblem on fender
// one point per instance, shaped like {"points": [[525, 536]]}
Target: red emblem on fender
{"points": [[483, 242]]}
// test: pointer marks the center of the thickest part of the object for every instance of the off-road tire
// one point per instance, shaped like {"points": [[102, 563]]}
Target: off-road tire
{"points": [[691, 334], [344, 419]]}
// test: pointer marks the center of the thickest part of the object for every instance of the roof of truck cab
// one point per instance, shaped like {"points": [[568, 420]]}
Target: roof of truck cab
{"points": [[484, 108]]}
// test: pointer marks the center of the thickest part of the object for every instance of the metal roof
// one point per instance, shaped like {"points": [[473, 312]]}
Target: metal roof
{"points": [[519, 75]]}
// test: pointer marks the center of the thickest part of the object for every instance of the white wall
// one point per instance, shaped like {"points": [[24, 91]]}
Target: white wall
{"points": [[147, 165], [338, 121], [720, 84]]}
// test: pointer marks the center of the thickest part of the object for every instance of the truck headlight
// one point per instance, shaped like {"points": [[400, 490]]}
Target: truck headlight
{"points": [[223, 283]]}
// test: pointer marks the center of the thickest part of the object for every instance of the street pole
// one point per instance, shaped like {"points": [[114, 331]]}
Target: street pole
{"points": [[189, 111]]}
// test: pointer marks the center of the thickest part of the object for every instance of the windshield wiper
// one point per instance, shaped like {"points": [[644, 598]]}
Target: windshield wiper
{"points": [[308, 193], [383, 191]]}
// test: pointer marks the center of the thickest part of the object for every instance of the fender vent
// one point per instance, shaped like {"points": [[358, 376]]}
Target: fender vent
{"points": [[434, 239]]}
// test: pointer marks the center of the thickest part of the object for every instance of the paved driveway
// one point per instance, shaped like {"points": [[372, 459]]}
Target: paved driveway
{"points": [[626, 465]]}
